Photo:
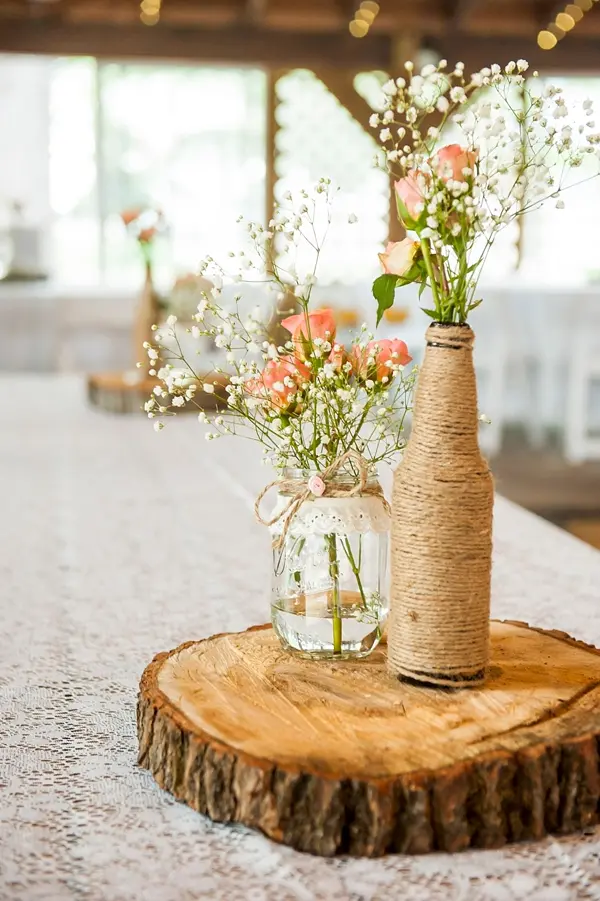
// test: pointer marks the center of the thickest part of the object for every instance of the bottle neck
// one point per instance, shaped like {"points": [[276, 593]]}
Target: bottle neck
{"points": [[446, 415]]}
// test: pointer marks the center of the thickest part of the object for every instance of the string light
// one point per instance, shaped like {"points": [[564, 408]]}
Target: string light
{"points": [[574, 11], [363, 18], [366, 15], [564, 22], [556, 30], [150, 12], [546, 40], [358, 28]]}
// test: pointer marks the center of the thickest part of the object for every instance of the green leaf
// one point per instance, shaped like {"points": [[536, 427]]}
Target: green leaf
{"points": [[432, 313], [403, 213], [475, 304], [384, 289], [422, 287]]}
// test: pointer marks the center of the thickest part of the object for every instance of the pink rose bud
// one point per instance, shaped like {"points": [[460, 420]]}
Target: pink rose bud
{"points": [[412, 192], [337, 357], [129, 216], [399, 256], [451, 161], [320, 324], [316, 485], [378, 359], [281, 379]]}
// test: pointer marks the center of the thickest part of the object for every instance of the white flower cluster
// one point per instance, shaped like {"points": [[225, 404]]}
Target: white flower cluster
{"points": [[515, 152], [306, 398]]}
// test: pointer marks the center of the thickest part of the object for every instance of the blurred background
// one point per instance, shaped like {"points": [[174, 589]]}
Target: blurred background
{"points": [[202, 110]]}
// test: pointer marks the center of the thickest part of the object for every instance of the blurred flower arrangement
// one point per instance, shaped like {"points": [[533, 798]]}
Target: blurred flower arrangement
{"points": [[309, 400], [453, 201], [144, 225]]}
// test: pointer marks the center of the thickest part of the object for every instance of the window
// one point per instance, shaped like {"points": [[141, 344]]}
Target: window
{"points": [[189, 140], [85, 139], [560, 246], [318, 137]]}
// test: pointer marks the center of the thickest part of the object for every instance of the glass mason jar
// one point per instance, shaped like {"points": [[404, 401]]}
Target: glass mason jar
{"points": [[330, 588]]}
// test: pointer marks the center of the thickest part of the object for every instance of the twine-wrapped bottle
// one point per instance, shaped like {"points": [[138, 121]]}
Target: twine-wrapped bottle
{"points": [[442, 525]]}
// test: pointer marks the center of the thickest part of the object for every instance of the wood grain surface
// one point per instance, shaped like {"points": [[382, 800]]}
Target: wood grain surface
{"points": [[340, 758]]}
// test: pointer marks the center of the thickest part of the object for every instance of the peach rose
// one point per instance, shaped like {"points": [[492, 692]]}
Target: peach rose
{"points": [[450, 161], [281, 380], [376, 360], [129, 216], [321, 325], [337, 356], [147, 235], [411, 192], [399, 256]]}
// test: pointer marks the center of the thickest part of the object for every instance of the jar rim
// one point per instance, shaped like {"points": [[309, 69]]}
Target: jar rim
{"points": [[343, 477]]}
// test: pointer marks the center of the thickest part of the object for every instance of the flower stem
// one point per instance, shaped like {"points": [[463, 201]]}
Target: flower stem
{"points": [[426, 250], [336, 613], [355, 567]]}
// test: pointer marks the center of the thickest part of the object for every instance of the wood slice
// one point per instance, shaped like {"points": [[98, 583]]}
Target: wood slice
{"points": [[124, 392], [340, 758], [119, 392]]}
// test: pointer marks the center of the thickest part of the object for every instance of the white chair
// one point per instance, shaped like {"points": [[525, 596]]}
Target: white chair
{"points": [[582, 419], [539, 323]]}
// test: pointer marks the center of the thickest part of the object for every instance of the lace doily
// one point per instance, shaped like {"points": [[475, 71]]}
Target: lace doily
{"points": [[118, 543], [334, 516]]}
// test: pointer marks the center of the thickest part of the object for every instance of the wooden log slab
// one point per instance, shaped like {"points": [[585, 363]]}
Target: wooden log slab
{"points": [[127, 392], [119, 392], [339, 758]]}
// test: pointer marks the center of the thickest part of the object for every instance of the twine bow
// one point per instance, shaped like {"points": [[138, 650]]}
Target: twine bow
{"points": [[301, 492]]}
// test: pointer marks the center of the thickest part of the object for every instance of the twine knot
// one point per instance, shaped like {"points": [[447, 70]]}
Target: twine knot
{"points": [[318, 485]]}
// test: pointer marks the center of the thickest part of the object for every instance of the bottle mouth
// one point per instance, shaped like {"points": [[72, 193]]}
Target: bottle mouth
{"points": [[464, 325], [450, 336]]}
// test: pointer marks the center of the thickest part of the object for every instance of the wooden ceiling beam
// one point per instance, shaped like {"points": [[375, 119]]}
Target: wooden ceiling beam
{"points": [[103, 12], [579, 55], [283, 49], [255, 11], [545, 11], [461, 11], [347, 8], [234, 45]]}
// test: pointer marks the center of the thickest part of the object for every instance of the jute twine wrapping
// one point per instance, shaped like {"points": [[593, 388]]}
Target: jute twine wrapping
{"points": [[442, 525], [300, 492]]}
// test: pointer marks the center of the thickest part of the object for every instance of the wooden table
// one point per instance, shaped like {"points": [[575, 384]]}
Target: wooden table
{"points": [[118, 543]]}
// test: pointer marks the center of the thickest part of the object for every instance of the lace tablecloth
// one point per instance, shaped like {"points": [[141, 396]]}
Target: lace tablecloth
{"points": [[117, 543]]}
